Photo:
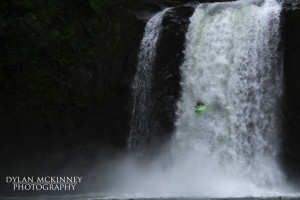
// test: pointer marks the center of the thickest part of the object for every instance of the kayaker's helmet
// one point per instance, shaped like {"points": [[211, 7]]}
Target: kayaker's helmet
{"points": [[200, 103]]}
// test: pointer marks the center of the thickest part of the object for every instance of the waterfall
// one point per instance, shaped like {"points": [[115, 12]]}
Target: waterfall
{"points": [[141, 88], [232, 64]]}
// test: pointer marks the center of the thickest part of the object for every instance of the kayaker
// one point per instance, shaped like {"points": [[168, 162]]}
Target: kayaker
{"points": [[200, 107]]}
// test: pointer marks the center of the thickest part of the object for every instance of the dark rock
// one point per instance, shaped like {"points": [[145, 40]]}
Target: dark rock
{"points": [[291, 106], [291, 5], [143, 11], [166, 73]]}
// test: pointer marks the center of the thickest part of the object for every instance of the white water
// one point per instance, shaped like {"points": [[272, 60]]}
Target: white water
{"points": [[232, 63], [141, 91]]}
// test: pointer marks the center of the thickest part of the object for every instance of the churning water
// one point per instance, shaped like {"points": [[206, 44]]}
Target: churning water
{"points": [[232, 63]]}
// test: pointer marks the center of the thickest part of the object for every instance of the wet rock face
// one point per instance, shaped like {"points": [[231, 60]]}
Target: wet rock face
{"points": [[291, 5], [166, 72], [291, 105]]}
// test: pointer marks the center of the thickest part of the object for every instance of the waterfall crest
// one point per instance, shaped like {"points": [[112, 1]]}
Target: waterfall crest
{"points": [[232, 63], [141, 87]]}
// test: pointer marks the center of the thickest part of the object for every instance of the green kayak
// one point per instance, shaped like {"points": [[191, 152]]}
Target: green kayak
{"points": [[201, 109]]}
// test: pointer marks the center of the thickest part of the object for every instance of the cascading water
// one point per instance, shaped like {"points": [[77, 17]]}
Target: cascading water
{"points": [[141, 91], [232, 63]]}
